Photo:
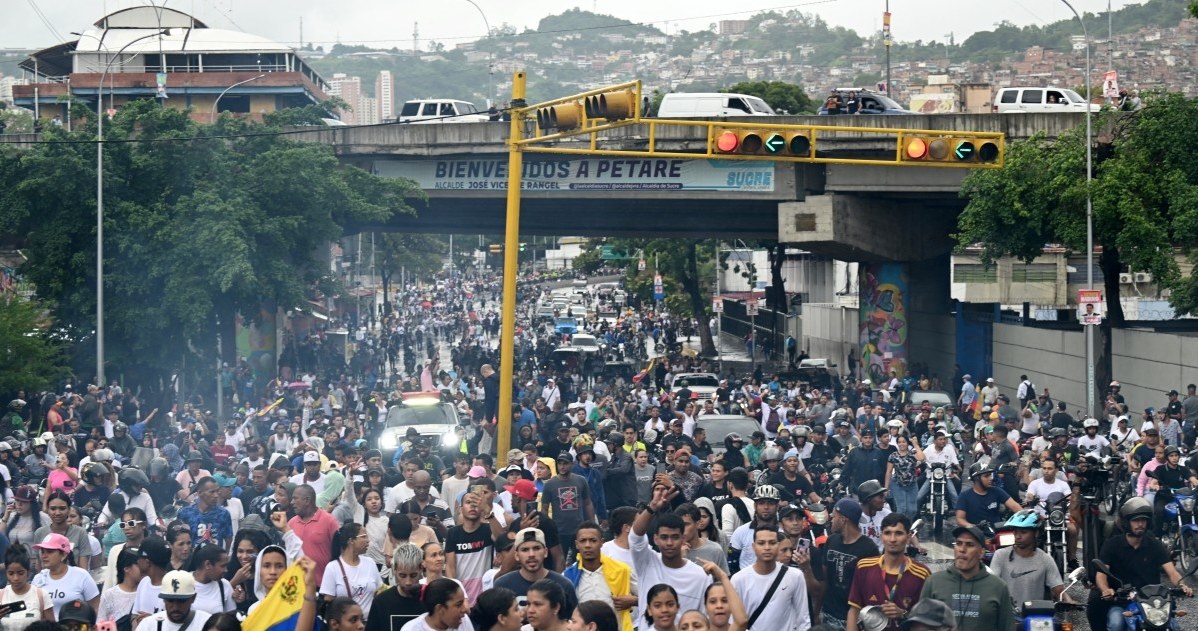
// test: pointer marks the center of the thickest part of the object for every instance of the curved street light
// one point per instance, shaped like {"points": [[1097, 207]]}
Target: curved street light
{"points": [[218, 97], [491, 63], [100, 380]]}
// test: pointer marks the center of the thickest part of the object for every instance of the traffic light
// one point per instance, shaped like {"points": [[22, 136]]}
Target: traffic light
{"points": [[522, 244], [562, 117], [496, 248], [763, 142], [612, 106], [949, 149]]}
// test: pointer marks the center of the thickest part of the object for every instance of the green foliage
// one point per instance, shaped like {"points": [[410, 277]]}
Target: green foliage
{"points": [[196, 228], [31, 358], [783, 97], [589, 261], [1145, 198], [1193, 8]]}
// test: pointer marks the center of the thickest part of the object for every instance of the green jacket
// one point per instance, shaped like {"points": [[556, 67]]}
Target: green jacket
{"points": [[981, 603]]}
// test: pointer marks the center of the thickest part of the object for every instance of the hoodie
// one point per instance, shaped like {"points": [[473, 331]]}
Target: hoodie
{"points": [[259, 587], [981, 603]]}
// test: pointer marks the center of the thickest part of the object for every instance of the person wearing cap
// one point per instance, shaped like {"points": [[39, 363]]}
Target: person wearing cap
{"points": [[983, 599], [836, 565], [193, 471], [77, 615], [531, 552], [58, 506], [311, 475], [969, 394], [63, 581], [567, 497], [619, 479], [551, 394], [178, 595]]}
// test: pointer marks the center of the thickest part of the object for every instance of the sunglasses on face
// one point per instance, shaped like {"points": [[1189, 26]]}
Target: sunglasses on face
{"points": [[132, 523]]}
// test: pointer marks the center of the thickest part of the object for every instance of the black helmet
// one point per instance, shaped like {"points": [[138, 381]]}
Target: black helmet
{"points": [[869, 489], [132, 481], [94, 473], [1172, 449], [1134, 508], [979, 469]]}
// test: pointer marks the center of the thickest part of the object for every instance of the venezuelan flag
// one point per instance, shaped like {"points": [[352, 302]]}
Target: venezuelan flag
{"points": [[280, 610], [267, 410]]}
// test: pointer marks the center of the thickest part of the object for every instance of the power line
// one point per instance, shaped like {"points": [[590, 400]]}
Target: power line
{"points": [[46, 21]]}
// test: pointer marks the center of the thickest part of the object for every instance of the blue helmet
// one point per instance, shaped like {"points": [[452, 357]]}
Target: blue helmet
{"points": [[1026, 518]]}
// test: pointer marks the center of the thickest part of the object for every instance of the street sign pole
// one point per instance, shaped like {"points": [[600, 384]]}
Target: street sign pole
{"points": [[511, 263]]}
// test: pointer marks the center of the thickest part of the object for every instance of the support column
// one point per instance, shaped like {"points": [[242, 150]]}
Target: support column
{"points": [[883, 327]]}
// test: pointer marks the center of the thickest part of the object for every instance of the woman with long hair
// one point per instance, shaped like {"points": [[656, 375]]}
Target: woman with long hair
{"points": [[901, 476], [351, 574], [38, 605], [445, 607], [58, 505], [723, 606], [246, 546], [59, 576], [496, 609], [178, 536], [434, 561], [547, 608], [116, 601], [25, 520], [370, 514]]}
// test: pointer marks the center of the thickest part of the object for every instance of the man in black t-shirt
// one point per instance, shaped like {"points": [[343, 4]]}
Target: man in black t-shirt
{"points": [[398, 605], [835, 562]]}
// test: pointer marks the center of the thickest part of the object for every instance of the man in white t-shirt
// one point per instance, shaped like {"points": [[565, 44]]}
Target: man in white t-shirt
{"points": [[311, 474], [669, 566], [1092, 443], [786, 609], [1047, 484], [213, 593], [178, 594]]}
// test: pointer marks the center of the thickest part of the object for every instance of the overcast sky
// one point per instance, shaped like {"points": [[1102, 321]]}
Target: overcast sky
{"points": [[387, 23]]}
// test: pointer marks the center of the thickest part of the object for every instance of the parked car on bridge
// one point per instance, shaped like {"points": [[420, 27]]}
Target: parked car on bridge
{"points": [[711, 105], [1036, 100], [871, 103]]}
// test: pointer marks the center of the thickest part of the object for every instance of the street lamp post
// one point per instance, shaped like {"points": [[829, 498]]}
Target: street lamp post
{"points": [[490, 64], [226, 90], [1089, 218], [100, 380]]}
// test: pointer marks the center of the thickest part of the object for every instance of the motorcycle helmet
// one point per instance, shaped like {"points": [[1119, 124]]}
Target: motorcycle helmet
{"points": [[1134, 508], [869, 489], [1026, 518], [5, 446], [767, 492], [817, 513], [16, 404], [39, 442], [20, 435], [1058, 432], [802, 431], [94, 473], [979, 469], [120, 426], [1172, 449], [771, 453], [158, 467], [132, 481], [1090, 422], [48, 436]]}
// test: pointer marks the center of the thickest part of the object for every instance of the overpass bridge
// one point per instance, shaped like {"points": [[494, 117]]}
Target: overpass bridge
{"points": [[852, 212]]}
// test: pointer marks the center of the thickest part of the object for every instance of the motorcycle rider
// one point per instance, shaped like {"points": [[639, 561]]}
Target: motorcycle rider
{"points": [[1092, 443], [1025, 561], [866, 462], [1060, 448], [981, 502], [1134, 557], [1039, 491], [941, 451], [1163, 480]]}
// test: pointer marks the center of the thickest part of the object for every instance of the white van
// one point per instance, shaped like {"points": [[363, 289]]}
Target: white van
{"points": [[711, 104], [440, 111], [1039, 100]]}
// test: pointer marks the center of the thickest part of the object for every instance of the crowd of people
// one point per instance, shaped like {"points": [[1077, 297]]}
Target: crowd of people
{"points": [[613, 511]]}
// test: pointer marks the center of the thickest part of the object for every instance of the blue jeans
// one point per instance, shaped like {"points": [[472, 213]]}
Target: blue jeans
{"points": [[906, 498], [926, 490], [1116, 622]]}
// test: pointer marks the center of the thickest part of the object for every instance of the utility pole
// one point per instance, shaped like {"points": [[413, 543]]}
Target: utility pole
{"points": [[886, 41]]}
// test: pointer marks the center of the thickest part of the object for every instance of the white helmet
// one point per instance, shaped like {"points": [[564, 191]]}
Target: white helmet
{"points": [[1090, 422]]}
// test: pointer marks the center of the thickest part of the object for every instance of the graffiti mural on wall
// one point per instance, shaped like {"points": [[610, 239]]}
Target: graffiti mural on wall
{"points": [[883, 327]]}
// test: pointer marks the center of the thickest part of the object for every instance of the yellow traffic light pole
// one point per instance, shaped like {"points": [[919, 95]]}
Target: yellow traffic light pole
{"points": [[511, 263]]}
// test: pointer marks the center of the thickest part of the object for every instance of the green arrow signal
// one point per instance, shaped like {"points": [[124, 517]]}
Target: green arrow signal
{"points": [[775, 143], [964, 151]]}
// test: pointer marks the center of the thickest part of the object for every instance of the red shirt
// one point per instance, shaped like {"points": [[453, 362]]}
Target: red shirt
{"points": [[317, 535], [222, 454], [873, 586]]}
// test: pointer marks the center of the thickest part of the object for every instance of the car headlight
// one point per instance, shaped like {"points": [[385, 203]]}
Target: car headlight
{"points": [[1156, 611], [449, 439], [388, 440]]}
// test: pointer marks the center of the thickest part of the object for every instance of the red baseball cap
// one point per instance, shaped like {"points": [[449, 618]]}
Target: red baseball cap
{"points": [[523, 489]]}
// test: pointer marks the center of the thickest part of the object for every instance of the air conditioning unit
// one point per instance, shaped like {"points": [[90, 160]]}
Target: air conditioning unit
{"points": [[1143, 277], [1125, 279]]}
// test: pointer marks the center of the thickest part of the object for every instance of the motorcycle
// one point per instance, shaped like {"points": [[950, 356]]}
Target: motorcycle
{"points": [[1185, 542], [1149, 608], [995, 538], [1056, 528], [1042, 615], [937, 503]]}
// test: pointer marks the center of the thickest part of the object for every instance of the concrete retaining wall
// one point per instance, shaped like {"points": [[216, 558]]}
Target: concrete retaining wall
{"points": [[1052, 359], [1148, 364], [829, 330]]}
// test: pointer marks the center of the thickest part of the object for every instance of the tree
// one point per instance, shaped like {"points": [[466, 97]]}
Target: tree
{"points": [[197, 229], [783, 97], [688, 263], [402, 252], [31, 357]]}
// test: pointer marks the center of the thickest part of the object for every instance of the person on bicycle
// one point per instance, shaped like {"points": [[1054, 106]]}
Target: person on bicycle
{"points": [[1035, 569], [1134, 557], [983, 501], [1165, 479]]}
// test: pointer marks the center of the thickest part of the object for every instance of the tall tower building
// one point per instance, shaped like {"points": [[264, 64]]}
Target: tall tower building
{"points": [[350, 91], [383, 91]]}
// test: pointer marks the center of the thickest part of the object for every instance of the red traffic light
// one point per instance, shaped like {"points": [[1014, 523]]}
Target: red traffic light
{"points": [[727, 142], [916, 149]]}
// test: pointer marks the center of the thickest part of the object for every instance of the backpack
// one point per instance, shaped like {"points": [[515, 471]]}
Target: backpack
{"points": [[774, 422]]}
